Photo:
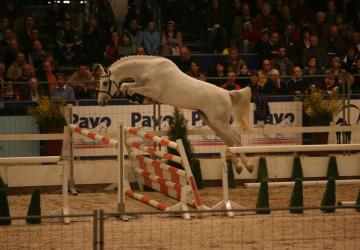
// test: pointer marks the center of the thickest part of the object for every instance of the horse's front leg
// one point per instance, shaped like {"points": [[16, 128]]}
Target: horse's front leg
{"points": [[126, 88]]}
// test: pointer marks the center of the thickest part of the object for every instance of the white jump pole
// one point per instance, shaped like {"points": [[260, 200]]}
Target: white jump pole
{"points": [[305, 183], [294, 148], [226, 204], [30, 160]]}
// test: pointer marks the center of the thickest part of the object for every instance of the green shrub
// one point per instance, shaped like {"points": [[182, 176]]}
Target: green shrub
{"points": [[357, 203], [262, 170], [4, 208], [34, 208], [297, 199], [329, 197], [262, 203], [230, 170], [333, 171], [297, 169], [196, 170]]}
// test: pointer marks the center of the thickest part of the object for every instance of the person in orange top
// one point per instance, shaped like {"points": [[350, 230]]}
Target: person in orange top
{"points": [[231, 82]]}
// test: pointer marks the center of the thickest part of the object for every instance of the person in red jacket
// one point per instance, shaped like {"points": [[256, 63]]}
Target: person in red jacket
{"points": [[231, 82]]}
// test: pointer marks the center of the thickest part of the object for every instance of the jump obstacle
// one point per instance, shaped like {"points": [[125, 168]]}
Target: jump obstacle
{"points": [[154, 173], [50, 161]]}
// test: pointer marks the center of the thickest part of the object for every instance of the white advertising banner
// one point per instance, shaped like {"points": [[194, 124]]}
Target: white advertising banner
{"points": [[105, 120]]}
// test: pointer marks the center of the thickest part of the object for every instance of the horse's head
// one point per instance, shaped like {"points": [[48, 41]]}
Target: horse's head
{"points": [[106, 90]]}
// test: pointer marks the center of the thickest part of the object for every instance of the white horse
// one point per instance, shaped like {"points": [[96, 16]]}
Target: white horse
{"points": [[160, 80]]}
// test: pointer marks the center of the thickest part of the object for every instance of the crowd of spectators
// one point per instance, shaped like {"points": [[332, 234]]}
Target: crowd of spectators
{"points": [[298, 43]]}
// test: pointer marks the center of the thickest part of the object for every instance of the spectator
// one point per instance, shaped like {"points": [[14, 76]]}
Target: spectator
{"points": [[140, 51], [302, 13], [36, 90], [262, 109], [81, 80], [12, 10], [37, 55], [93, 41], [254, 80], [125, 47], [10, 54], [289, 41], [47, 76], [246, 13], [336, 71], [244, 76], [262, 47], [15, 69], [264, 72], [195, 71], [231, 83], [218, 73], [74, 12], [234, 23], [140, 12], [9, 93], [8, 34], [136, 35], [274, 84], [24, 32], [333, 43], [54, 18], [349, 60], [283, 63], [152, 39], [304, 43], [69, 44], [185, 60], [316, 51], [331, 12], [312, 73], [356, 72], [111, 50], [320, 28], [234, 61], [284, 19], [296, 84], [22, 86], [95, 84], [329, 84], [251, 35], [171, 40], [63, 89], [274, 45], [265, 19]]}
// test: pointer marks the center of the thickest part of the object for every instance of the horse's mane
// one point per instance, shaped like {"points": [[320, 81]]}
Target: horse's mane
{"points": [[138, 57]]}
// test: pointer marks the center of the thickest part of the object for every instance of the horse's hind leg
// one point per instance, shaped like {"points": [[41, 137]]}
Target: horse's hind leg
{"points": [[225, 132]]}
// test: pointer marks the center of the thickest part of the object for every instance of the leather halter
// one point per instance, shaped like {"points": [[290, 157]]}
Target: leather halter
{"points": [[111, 81]]}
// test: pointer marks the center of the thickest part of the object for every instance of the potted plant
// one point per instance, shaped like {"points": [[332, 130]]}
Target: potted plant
{"points": [[321, 108], [49, 115]]}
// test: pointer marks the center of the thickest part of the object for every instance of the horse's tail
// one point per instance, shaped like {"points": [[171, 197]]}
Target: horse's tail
{"points": [[240, 100]]}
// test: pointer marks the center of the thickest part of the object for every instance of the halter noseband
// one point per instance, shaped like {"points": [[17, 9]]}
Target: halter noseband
{"points": [[110, 82]]}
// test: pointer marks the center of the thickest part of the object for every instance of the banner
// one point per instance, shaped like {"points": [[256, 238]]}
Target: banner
{"points": [[105, 120]]}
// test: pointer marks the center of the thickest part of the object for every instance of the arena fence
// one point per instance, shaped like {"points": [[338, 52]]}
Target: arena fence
{"points": [[151, 230]]}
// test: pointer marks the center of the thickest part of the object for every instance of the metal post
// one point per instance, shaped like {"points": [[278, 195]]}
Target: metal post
{"points": [[95, 229], [101, 230]]}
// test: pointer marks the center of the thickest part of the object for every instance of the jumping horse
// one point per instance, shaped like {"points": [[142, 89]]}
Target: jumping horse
{"points": [[160, 80]]}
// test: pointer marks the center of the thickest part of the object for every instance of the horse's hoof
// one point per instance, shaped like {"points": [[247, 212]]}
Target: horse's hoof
{"points": [[238, 169], [250, 167]]}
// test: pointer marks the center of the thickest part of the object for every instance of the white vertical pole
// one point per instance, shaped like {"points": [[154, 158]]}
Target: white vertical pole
{"points": [[71, 150]]}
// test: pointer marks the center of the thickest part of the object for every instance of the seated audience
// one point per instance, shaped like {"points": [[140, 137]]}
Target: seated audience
{"points": [[15, 69], [171, 40], [234, 61], [274, 84], [81, 80], [231, 83], [125, 47], [111, 50], [63, 89], [185, 60], [218, 74], [195, 71], [297, 85], [152, 39]]}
